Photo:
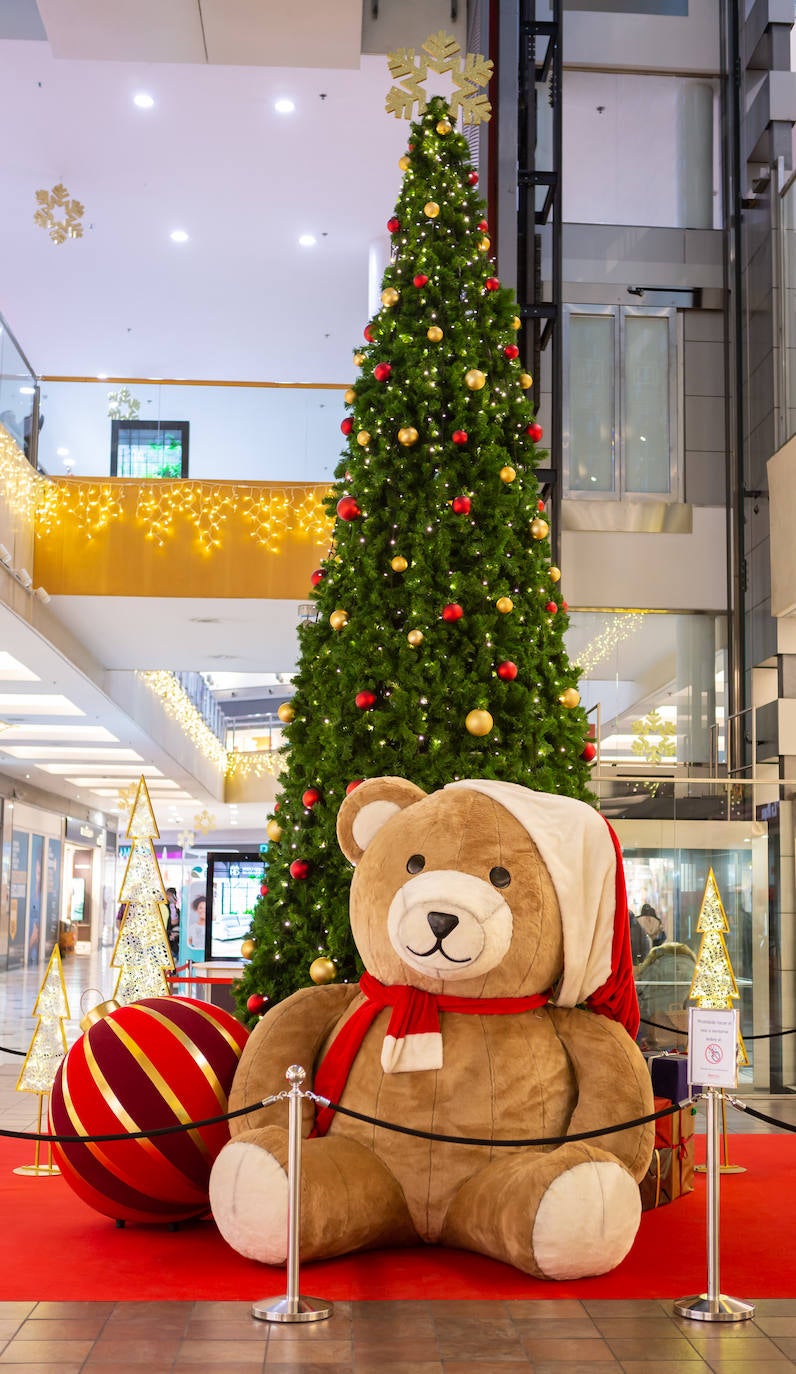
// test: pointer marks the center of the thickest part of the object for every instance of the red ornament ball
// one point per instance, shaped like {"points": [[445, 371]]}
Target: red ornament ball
{"points": [[157, 1062], [492, 284], [459, 437], [534, 432], [311, 797], [453, 611], [461, 505], [255, 1003], [551, 607], [393, 224], [472, 177], [483, 226], [565, 605], [347, 424], [348, 508], [540, 505], [352, 785], [382, 371], [589, 752], [511, 351], [365, 700], [420, 279], [317, 577], [507, 670], [263, 889], [368, 333], [300, 869]]}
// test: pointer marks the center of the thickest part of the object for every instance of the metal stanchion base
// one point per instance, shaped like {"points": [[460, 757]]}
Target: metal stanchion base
{"points": [[723, 1169], [719, 1309], [37, 1170], [292, 1309]]}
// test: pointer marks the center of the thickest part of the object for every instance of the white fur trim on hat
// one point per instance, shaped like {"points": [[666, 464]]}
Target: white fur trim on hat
{"points": [[578, 852]]}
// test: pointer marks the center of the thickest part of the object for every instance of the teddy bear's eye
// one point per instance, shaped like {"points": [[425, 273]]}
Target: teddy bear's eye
{"points": [[499, 877], [416, 864]]}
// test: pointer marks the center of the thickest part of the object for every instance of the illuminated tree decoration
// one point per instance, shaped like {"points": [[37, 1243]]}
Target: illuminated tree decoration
{"points": [[438, 580], [142, 950], [46, 1052], [713, 983]]}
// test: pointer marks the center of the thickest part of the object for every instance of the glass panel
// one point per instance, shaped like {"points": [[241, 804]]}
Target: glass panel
{"points": [[17, 391], [591, 403], [647, 420]]}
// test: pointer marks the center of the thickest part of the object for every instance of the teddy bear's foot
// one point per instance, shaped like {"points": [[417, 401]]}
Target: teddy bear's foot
{"points": [[569, 1213], [349, 1199]]}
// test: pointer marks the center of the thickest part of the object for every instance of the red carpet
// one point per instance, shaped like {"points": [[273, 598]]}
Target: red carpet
{"points": [[56, 1247]]}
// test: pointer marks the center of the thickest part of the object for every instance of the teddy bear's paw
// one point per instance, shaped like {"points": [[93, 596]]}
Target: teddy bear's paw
{"points": [[248, 1197], [586, 1221]]}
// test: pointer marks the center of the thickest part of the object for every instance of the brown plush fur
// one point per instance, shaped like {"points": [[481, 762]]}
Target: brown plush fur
{"points": [[548, 1072]]}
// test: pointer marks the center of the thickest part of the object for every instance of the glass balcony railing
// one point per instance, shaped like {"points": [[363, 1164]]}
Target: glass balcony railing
{"points": [[19, 395]]}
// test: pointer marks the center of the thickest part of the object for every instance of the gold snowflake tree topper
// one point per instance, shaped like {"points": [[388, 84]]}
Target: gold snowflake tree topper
{"points": [[67, 225], [441, 54]]}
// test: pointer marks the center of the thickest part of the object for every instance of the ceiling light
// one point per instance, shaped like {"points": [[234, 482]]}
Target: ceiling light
{"points": [[11, 670], [143, 100], [42, 594], [27, 391], [5, 555], [284, 105], [119, 771], [75, 734], [178, 236], [102, 376], [24, 577], [34, 752], [307, 240], [38, 704], [62, 452]]}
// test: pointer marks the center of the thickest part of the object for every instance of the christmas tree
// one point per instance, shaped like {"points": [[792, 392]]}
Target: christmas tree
{"points": [[142, 952], [48, 1046], [713, 983], [437, 652]]}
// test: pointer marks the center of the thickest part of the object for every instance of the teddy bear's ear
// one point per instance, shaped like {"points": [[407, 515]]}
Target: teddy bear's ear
{"points": [[368, 807]]}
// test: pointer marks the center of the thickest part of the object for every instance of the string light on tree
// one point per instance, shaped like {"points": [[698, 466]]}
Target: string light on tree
{"points": [[713, 983], [142, 952], [46, 1052]]}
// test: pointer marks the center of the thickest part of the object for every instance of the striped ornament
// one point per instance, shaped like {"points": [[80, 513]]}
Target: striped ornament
{"points": [[151, 1063]]}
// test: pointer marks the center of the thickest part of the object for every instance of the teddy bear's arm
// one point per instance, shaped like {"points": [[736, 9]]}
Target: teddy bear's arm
{"points": [[292, 1032], [613, 1084]]}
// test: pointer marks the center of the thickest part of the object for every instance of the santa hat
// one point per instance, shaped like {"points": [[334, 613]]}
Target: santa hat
{"points": [[582, 855]]}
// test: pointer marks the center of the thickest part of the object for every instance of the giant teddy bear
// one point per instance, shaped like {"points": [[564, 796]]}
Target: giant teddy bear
{"points": [[498, 1003]]}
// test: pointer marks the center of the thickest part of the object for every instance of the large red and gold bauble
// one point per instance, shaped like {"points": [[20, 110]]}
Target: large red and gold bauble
{"points": [[154, 1063]]}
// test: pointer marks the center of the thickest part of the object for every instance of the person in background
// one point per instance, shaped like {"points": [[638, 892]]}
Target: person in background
{"points": [[196, 925], [640, 943], [651, 924], [173, 922]]}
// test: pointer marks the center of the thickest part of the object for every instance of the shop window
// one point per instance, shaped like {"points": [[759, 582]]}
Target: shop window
{"points": [[149, 448], [621, 426]]}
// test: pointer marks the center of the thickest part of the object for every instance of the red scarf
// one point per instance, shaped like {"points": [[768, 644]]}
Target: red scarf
{"points": [[414, 1038]]}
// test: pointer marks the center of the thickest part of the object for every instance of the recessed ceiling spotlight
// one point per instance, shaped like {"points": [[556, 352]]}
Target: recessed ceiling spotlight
{"points": [[307, 240], [102, 376], [62, 452], [284, 105], [143, 100], [178, 236], [31, 390]]}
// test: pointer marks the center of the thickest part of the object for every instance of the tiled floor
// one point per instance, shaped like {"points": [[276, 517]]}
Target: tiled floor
{"points": [[553, 1336]]}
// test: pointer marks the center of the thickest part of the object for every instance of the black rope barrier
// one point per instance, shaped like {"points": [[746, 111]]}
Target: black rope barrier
{"points": [[761, 1116], [764, 1035], [5, 1050], [346, 1111]]}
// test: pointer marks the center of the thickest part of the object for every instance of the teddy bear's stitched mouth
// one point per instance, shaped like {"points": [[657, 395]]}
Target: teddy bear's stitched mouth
{"points": [[442, 923]]}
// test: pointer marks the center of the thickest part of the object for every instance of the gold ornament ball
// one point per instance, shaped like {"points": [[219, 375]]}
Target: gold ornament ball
{"points": [[485, 245], [389, 296], [349, 396], [323, 970], [504, 604], [479, 722], [415, 638], [247, 948], [338, 619], [359, 359], [507, 474], [363, 438], [434, 333], [516, 323], [475, 379], [408, 436], [444, 127], [274, 831], [554, 573], [404, 163], [570, 698], [286, 713], [539, 528], [526, 380], [399, 563], [431, 209]]}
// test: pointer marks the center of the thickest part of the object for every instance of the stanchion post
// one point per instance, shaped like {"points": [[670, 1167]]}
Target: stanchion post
{"points": [[292, 1307], [713, 1306]]}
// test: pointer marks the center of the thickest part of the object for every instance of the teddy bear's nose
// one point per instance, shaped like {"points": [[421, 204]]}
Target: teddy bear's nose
{"points": [[442, 923]]}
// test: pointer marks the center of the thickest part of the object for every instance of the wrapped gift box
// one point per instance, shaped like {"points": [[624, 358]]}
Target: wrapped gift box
{"points": [[669, 1073], [671, 1172]]}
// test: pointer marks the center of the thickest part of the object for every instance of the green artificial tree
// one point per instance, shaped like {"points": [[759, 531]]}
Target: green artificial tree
{"points": [[438, 649]]}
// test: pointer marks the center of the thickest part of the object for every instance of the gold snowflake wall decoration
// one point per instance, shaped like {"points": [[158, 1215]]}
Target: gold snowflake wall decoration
{"points": [[440, 53], [68, 225]]}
